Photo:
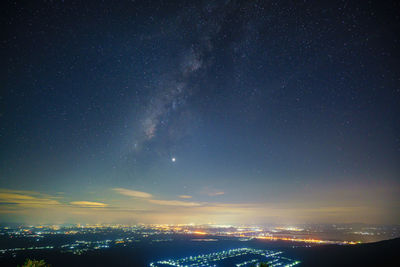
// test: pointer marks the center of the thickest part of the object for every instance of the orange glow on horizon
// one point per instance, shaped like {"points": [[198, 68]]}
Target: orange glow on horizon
{"points": [[200, 233], [307, 240]]}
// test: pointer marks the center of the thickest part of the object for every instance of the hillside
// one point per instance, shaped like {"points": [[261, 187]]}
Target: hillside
{"points": [[371, 254]]}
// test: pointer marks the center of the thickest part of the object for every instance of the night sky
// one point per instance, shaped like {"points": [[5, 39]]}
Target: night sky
{"points": [[200, 111]]}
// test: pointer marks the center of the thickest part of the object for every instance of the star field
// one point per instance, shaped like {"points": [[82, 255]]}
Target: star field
{"points": [[269, 110]]}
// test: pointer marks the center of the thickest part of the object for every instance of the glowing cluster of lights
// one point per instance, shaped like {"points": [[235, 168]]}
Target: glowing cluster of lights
{"points": [[22, 249], [272, 257]]}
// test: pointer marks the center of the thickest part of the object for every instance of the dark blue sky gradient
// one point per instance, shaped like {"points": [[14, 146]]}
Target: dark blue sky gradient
{"points": [[264, 102]]}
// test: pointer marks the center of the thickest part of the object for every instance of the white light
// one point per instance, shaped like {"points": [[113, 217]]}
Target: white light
{"points": [[173, 159]]}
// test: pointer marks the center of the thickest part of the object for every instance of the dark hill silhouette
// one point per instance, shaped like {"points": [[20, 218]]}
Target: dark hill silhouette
{"points": [[369, 254], [381, 253]]}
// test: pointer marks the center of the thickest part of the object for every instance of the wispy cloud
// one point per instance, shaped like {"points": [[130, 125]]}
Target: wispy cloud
{"points": [[25, 198], [174, 203], [31, 199], [89, 204], [38, 207], [149, 198], [185, 196], [211, 191], [132, 193], [213, 194]]}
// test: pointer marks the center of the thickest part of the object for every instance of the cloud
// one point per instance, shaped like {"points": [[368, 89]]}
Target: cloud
{"points": [[148, 197], [18, 198], [25, 199], [89, 204], [211, 191], [213, 194], [185, 196], [132, 193], [174, 203], [22, 192]]}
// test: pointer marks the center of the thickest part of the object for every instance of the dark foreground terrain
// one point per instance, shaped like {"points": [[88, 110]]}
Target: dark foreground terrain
{"points": [[371, 254], [384, 253]]}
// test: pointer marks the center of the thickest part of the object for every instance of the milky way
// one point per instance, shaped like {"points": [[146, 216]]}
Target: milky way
{"points": [[174, 88]]}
